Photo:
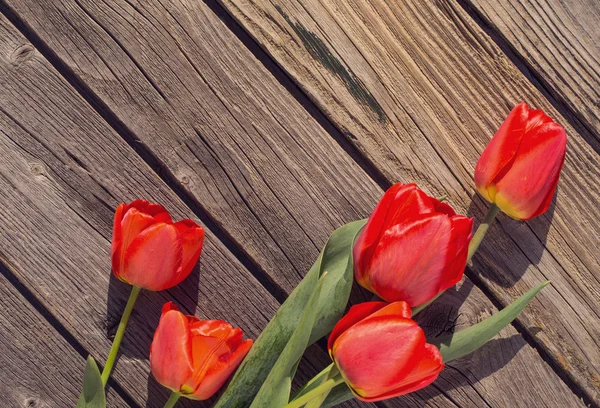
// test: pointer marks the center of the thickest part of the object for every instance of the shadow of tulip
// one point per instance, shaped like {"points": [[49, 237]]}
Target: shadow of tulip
{"points": [[143, 322], [510, 246], [442, 317], [466, 372], [146, 313]]}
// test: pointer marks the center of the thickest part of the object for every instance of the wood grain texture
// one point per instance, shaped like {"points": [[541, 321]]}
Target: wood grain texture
{"points": [[40, 369], [63, 172], [558, 40], [112, 47], [419, 88]]}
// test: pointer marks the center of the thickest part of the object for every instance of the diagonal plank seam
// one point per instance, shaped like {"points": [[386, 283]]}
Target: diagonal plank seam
{"points": [[295, 90], [519, 327], [582, 125], [12, 278], [146, 154], [140, 148]]}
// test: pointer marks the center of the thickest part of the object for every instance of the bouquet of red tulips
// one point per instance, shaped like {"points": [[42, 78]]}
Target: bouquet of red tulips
{"points": [[411, 249]]}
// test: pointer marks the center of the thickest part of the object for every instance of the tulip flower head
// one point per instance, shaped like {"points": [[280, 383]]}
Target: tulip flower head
{"points": [[381, 352], [412, 248], [519, 169], [195, 357], [149, 250]]}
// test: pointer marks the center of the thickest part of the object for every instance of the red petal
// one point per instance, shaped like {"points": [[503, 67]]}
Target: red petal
{"points": [[462, 232], [377, 353], [191, 236], [366, 242], [218, 373], [168, 307], [354, 315], [426, 372], [156, 211], [525, 189], [206, 352], [117, 232], [501, 150], [443, 207], [397, 309], [170, 359], [408, 205], [410, 260], [153, 260]]}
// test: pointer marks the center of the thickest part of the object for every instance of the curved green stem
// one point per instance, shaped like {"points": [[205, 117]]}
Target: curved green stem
{"points": [[114, 350], [316, 402], [482, 230], [316, 392], [172, 400]]}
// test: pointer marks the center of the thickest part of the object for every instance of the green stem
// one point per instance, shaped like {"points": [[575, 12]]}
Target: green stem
{"points": [[482, 230], [114, 350], [172, 400], [316, 402], [309, 396]]}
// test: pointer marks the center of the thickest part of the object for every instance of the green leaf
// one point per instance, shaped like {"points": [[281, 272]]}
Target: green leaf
{"points": [[336, 260], [470, 339], [338, 394], [92, 395], [275, 391], [313, 383]]}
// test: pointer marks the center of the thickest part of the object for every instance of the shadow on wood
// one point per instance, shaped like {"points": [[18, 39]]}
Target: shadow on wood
{"points": [[501, 234], [185, 296]]}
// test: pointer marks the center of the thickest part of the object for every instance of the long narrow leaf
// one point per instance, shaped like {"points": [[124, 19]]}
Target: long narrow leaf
{"points": [[470, 339], [336, 259], [275, 391]]}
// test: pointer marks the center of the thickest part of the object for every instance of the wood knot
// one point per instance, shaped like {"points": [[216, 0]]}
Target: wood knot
{"points": [[21, 54], [32, 402], [37, 169]]}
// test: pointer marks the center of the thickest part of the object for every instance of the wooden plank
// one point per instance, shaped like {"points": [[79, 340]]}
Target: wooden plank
{"points": [[134, 82], [558, 41], [40, 368], [63, 172], [419, 88]]}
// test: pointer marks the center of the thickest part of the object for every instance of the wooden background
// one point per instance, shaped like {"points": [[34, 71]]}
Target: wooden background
{"points": [[272, 123]]}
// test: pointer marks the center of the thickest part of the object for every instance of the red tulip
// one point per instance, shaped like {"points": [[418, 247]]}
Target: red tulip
{"points": [[381, 352], [412, 248], [519, 168], [149, 250], [195, 357]]}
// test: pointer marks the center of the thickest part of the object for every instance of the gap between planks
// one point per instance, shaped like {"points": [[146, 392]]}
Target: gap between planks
{"points": [[560, 103], [11, 277], [157, 169]]}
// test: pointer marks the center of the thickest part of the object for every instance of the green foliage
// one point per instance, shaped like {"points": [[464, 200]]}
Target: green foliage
{"points": [[470, 339], [336, 261], [275, 391], [92, 395]]}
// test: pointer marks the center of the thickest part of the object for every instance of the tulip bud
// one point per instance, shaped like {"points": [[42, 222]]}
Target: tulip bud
{"points": [[195, 357], [519, 169], [149, 250], [381, 352], [412, 248]]}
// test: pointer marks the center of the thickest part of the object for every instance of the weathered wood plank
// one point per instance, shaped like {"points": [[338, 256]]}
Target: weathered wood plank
{"points": [[134, 81], [63, 172], [558, 40], [419, 88], [39, 366]]}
